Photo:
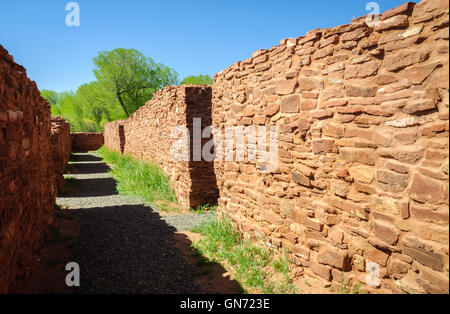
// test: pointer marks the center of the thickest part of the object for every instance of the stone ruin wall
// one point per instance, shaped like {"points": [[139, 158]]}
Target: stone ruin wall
{"points": [[147, 135], [27, 179], [363, 126], [362, 113], [86, 141], [61, 147], [114, 134]]}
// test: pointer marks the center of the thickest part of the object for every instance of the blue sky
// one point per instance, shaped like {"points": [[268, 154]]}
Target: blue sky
{"points": [[193, 37]]}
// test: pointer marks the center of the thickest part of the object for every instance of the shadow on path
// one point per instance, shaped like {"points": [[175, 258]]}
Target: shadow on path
{"points": [[88, 168], [128, 248], [92, 187]]}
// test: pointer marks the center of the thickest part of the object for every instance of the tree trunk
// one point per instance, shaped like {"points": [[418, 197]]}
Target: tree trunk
{"points": [[119, 96]]}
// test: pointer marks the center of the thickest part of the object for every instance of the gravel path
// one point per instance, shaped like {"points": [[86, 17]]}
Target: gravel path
{"points": [[125, 246]]}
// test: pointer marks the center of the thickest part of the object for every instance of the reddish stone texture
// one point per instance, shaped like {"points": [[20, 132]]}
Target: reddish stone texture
{"points": [[84, 141], [362, 178], [147, 135], [114, 135], [375, 161], [27, 178], [61, 147]]}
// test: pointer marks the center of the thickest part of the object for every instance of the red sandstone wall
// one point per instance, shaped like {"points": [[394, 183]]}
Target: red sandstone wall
{"points": [[27, 180], [115, 136], [83, 142], [147, 135], [363, 162], [61, 147]]}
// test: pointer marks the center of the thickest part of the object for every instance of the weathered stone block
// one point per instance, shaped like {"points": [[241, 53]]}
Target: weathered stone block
{"points": [[386, 232], [365, 156], [378, 257], [322, 146], [285, 87], [355, 90], [363, 174], [429, 259], [321, 270], [399, 21], [290, 104], [425, 189], [333, 257]]}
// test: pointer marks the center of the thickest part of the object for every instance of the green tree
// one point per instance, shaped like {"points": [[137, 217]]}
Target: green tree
{"points": [[198, 80], [95, 103], [126, 79], [70, 109], [131, 77], [88, 109], [52, 97]]}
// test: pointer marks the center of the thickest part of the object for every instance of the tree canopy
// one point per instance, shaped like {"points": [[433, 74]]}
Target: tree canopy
{"points": [[126, 80], [87, 109], [51, 96], [131, 77], [200, 80]]}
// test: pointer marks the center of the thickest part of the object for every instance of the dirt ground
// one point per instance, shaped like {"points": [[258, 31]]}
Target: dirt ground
{"points": [[48, 273], [102, 232], [212, 277], [48, 268], [220, 276]]}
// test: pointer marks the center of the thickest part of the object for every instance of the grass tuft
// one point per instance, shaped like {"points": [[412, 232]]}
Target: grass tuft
{"points": [[204, 209], [139, 178], [70, 181], [345, 288], [252, 265]]}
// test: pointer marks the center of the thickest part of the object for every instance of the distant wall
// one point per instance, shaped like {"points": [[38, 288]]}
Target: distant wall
{"points": [[147, 135], [27, 178], [83, 141], [61, 147], [115, 136], [363, 178]]}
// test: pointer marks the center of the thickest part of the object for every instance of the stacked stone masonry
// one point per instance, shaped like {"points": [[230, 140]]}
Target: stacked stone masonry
{"points": [[27, 179], [147, 134], [115, 136], [61, 147], [362, 112], [85, 141], [362, 182]]}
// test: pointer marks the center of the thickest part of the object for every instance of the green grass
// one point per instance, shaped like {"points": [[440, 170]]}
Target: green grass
{"points": [[346, 289], [139, 178], [59, 208], [249, 262], [70, 181], [282, 264], [204, 208]]}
